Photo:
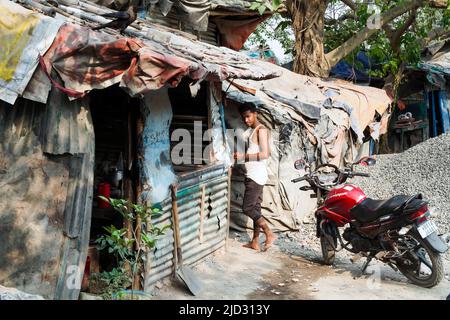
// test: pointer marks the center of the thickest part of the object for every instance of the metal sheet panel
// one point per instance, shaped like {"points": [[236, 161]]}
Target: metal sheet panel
{"points": [[45, 201], [445, 110], [160, 263]]}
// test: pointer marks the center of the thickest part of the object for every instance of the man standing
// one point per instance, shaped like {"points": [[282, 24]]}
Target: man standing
{"points": [[255, 158]]}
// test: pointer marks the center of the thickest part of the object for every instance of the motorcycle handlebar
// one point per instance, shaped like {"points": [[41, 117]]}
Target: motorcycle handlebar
{"points": [[361, 174], [298, 179], [348, 174]]}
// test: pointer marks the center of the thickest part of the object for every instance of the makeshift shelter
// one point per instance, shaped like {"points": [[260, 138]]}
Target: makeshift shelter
{"points": [[437, 90], [309, 118], [423, 111], [77, 103], [67, 124]]}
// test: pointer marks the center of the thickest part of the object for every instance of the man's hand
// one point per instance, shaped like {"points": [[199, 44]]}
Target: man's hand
{"points": [[238, 156]]}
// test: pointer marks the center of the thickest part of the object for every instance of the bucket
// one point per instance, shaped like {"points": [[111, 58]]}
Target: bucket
{"points": [[104, 189]]}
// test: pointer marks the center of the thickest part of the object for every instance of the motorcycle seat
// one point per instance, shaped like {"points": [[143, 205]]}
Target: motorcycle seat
{"points": [[369, 209]]}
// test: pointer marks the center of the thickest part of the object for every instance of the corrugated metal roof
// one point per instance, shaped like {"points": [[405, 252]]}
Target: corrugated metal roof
{"points": [[439, 62], [171, 48]]}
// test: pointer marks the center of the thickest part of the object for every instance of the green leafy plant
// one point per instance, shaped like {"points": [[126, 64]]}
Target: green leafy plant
{"points": [[129, 247], [110, 282], [262, 5]]}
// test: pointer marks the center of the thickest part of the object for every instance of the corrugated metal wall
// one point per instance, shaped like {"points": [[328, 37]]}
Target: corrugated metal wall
{"points": [[46, 173], [172, 21], [199, 236]]}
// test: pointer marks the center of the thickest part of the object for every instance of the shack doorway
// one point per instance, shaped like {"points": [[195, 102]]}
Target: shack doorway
{"points": [[115, 116]]}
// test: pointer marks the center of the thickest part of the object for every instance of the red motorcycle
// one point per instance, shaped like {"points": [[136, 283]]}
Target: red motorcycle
{"points": [[397, 231]]}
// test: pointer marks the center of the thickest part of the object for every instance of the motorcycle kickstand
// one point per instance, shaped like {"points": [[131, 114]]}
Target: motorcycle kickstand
{"points": [[366, 264]]}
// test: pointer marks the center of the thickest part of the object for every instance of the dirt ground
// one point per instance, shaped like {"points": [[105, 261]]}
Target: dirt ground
{"points": [[292, 271]]}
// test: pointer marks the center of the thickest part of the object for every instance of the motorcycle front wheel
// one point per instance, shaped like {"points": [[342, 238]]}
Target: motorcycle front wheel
{"points": [[422, 265], [328, 252]]}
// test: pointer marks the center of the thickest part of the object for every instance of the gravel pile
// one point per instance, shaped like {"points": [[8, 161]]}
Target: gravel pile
{"points": [[425, 169]]}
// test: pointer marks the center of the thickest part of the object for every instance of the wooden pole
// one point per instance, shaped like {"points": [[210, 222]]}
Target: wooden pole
{"points": [[228, 208], [202, 212], [176, 228], [135, 118], [127, 188]]}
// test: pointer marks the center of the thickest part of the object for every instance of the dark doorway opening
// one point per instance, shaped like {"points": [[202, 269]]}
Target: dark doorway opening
{"points": [[115, 116]]}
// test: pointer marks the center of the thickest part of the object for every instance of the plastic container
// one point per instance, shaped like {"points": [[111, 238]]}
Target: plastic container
{"points": [[104, 189]]}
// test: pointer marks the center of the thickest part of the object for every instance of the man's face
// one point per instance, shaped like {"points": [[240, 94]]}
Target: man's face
{"points": [[249, 118]]}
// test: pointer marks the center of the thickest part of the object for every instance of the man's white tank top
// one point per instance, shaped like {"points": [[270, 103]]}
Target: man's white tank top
{"points": [[256, 170]]}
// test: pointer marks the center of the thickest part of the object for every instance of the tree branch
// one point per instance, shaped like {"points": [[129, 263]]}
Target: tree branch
{"points": [[406, 25], [345, 16], [348, 46], [441, 4], [352, 5], [395, 35]]}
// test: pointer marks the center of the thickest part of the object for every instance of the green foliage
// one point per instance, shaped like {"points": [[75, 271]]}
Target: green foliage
{"points": [[262, 5], [337, 31], [275, 28], [378, 47], [116, 242], [111, 282], [128, 250]]}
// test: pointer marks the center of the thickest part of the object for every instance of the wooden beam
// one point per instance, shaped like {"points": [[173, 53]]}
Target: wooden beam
{"points": [[176, 228], [228, 208], [202, 212]]}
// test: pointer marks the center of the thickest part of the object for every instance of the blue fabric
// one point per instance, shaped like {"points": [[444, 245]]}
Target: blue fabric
{"points": [[346, 71]]}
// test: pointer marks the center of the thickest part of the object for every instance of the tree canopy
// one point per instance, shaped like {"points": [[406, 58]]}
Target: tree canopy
{"points": [[392, 32]]}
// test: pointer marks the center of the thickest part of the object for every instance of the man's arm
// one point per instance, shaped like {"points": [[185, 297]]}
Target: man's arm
{"points": [[263, 142]]}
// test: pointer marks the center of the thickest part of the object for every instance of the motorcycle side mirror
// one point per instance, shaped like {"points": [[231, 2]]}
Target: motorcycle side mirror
{"points": [[300, 164], [367, 161]]}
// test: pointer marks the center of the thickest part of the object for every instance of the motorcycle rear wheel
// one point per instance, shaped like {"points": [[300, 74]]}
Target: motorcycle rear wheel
{"points": [[413, 272]]}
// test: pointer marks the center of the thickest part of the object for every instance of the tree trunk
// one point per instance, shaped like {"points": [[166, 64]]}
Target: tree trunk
{"points": [[308, 24]]}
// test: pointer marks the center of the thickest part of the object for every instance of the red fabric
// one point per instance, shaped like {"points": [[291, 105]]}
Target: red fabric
{"points": [[236, 32], [153, 70], [69, 92], [85, 59]]}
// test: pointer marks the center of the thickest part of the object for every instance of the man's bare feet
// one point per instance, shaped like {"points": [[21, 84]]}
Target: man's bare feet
{"points": [[252, 245], [270, 238]]}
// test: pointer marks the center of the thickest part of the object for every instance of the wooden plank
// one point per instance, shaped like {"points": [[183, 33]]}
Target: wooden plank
{"points": [[138, 129], [127, 189], [228, 208], [176, 228], [188, 117], [202, 212], [209, 102], [244, 88]]}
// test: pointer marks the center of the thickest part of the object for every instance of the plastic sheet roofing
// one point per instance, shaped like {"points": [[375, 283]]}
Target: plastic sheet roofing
{"points": [[146, 58]]}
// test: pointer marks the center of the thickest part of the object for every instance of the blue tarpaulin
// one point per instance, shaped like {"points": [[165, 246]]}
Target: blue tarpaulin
{"points": [[347, 71]]}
